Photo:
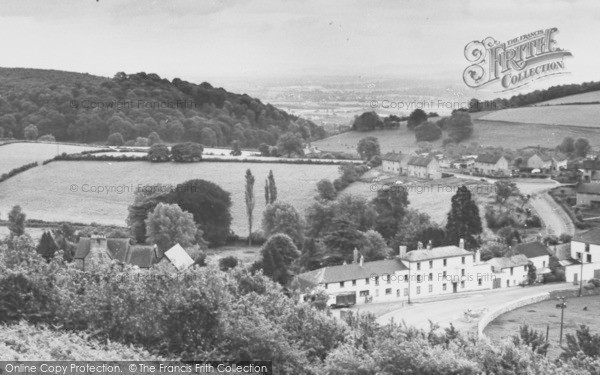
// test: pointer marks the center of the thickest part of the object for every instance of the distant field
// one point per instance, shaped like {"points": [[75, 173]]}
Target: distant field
{"points": [[45, 192], [15, 155], [487, 133], [588, 97], [572, 115]]}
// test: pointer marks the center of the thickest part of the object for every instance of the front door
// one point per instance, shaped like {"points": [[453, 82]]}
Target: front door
{"points": [[454, 287], [575, 278]]}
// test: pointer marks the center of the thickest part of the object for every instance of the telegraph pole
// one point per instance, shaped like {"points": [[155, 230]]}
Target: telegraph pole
{"points": [[581, 276], [562, 306]]}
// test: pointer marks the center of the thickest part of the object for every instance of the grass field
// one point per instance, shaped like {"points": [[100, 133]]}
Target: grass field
{"points": [[539, 315], [588, 97], [487, 133], [46, 192], [572, 115], [15, 155]]}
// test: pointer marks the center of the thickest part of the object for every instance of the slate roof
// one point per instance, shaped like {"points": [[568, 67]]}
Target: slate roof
{"points": [[532, 249], [394, 156], [544, 157], [436, 253], [591, 236], [488, 158], [351, 271], [589, 188], [592, 164], [420, 161], [506, 262], [120, 249]]}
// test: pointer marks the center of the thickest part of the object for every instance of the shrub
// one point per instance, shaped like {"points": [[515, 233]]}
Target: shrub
{"points": [[227, 263]]}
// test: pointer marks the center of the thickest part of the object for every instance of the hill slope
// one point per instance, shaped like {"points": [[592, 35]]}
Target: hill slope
{"points": [[85, 108]]}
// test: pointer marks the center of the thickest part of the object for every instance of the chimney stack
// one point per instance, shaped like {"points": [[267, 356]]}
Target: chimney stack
{"points": [[477, 256], [429, 245], [419, 245], [461, 243], [362, 260], [402, 252], [355, 256]]}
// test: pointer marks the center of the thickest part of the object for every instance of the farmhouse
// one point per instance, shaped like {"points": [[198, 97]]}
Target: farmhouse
{"points": [[491, 165], [424, 167], [588, 194], [590, 170], [420, 273], [510, 271], [539, 161], [393, 162], [538, 254], [585, 257], [97, 250]]}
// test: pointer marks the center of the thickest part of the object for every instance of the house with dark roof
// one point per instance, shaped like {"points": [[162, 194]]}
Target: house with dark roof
{"points": [[588, 194], [590, 170], [95, 251], [510, 271], [538, 254], [488, 164], [424, 167], [394, 162], [420, 273], [585, 257]]}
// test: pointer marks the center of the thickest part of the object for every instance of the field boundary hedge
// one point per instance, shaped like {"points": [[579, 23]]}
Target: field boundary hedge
{"points": [[15, 171]]}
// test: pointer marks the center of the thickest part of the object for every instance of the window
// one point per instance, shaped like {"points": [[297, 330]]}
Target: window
{"points": [[462, 284], [430, 277], [418, 266], [444, 286], [524, 268], [406, 291], [431, 264], [397, 292], [367, 281], [418, 290], [587, 247], [589, 258], [389, 279], [445, 262], [388, 291], [479, 282], [353, 282], [430, 288], [463, 260], [325, 286], [511, 271], [406, 278], [341, 284], [364, 293], [444, 275], [462, 272], [544, 264], [418, 278], [376, 280]]}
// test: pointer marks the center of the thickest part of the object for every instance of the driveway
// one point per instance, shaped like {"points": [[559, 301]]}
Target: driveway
{"points": [[554, 217], [444, 310]]}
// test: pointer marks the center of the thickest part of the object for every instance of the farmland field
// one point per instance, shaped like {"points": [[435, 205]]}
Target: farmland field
{"points": [[15, 155], [539, 315], [46, 192], [588, 97], [572, 115], [487, 133]]}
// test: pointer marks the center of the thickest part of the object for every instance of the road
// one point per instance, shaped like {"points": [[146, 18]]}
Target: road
{"points": [[451, 310]]}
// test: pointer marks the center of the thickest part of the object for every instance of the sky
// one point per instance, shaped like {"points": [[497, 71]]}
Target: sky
{"points": [[251, 39]]}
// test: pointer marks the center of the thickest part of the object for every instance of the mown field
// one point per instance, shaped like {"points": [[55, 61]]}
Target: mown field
{"points": [[61, 191], [572, 115], [15, 155], [588, 97], [487, 133]]}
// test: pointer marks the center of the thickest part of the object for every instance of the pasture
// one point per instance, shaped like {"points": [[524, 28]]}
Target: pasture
{"points": [[486, 133], [539, 315], [570, 115], [67, 190], [15, 155], [587, 97]]}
